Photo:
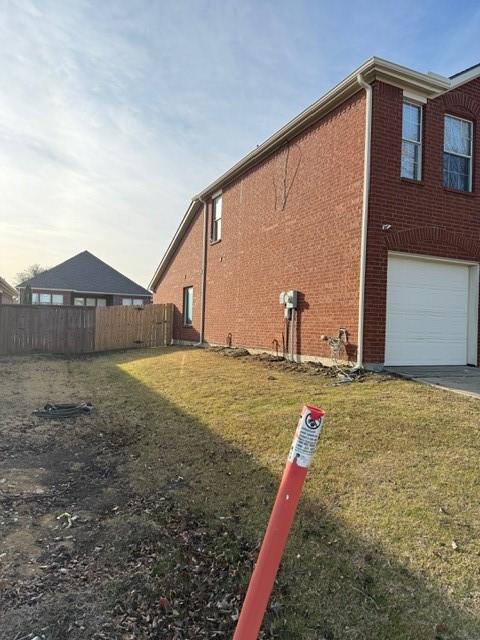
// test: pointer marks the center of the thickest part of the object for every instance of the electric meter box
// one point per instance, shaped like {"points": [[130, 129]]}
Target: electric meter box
{"points": [[289, 299]]}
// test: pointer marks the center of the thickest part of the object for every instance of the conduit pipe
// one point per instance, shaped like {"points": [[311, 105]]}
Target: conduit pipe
{"points": [[364, 229], [203, 283]]}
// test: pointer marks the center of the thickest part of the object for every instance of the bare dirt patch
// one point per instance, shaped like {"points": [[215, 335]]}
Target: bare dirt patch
{"points": [[82, 553]]}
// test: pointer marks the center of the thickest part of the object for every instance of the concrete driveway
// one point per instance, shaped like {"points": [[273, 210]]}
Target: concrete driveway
{"points": [[460, 379]]}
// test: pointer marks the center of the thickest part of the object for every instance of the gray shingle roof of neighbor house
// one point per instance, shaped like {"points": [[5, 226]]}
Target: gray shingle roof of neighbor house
{"points": [[88, 274]]}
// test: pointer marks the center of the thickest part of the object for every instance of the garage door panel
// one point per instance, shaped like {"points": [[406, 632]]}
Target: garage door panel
{"points": [[427, 312]]}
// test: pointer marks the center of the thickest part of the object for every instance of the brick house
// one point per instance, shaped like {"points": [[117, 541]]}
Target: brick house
{"points": [[368, 205], [84, 280], [7, 292]]}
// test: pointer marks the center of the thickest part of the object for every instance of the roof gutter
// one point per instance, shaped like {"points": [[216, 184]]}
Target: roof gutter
{"points": [[364, 229]]}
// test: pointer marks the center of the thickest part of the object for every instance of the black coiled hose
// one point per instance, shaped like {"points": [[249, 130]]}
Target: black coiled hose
{"points": [[54, 410]]}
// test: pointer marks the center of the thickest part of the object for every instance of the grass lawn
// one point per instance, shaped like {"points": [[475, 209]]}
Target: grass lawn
{"points": [[386, 544], [395, 482]]}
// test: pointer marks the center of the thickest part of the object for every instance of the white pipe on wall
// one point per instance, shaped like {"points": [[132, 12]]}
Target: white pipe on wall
{"points": [[364, 230], [203, 283]]}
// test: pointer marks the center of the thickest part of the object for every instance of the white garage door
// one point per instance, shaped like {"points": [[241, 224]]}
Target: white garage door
{"points": [[427, 312]]}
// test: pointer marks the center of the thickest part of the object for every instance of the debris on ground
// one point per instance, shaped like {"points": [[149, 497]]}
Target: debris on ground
{"points": [[57, 410], [340, 374]]}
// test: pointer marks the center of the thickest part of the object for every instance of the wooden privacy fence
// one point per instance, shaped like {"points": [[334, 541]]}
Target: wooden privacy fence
{"points": [[61, 329], [129, 327]]}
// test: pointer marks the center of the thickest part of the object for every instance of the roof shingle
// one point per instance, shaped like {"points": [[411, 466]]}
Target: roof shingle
{"points": [[88, 274]]}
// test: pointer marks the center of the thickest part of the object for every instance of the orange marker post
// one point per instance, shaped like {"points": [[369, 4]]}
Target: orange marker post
{"points": [[263, 576]]}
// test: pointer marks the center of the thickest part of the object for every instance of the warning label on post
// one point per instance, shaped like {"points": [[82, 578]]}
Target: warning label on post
{"points": [[305, 439]]}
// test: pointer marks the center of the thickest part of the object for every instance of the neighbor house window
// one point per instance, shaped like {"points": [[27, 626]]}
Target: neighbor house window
{"points": [[101, 302], [45, 298], [411, 141], [35, 298], [217, 218], [457, 154], [57, 298], [79, 302], [188, 306], [137, 302], [126, 302]]}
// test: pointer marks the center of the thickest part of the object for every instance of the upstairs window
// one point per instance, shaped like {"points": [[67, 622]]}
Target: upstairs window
{"points": [[411, 141], [217, 218], [457, 154], [188, 306]]}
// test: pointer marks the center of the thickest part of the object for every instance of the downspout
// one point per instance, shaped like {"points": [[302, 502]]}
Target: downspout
{"points": [[366, 193], [203, 283]]}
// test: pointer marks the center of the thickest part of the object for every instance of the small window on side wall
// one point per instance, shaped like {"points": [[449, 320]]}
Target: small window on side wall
{"points": [[126, 302], [79, 302], [188, 306], [457, 154], [35, 298], [57, 298], [217, 218], [411, 141]]}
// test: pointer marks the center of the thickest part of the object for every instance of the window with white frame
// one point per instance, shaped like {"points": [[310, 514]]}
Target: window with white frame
{"points": [[57, 298], [217, 218], [35, 298], [457, 153], [79, 302], [188, 306], [45, 298], [101, 302], [126, 302], [411, 141], [137, 302]]}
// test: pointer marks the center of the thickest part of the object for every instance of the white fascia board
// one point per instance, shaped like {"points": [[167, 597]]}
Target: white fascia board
{"points": [[466, 76], [187, 218]]}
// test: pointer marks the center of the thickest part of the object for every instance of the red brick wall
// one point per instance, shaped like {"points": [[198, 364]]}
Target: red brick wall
{"points": [[292, 222], [426, 218], [184, 271]]}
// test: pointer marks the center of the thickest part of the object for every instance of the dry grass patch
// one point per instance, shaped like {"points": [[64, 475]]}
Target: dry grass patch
{"points": [[394, 487], [386, 542]]}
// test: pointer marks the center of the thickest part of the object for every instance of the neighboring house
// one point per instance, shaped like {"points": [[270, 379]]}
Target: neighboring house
{"points": [[86, 281], [7, 292], [367, 204]]}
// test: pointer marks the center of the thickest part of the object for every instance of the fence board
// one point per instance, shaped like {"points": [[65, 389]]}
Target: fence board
{"points": [[62, 329], [133, 327]]}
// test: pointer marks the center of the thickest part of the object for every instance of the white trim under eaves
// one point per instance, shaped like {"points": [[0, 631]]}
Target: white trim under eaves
{"points": [[466, 76], [97, 293]]}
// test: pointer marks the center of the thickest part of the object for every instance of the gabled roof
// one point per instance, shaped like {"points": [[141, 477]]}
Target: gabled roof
{"points": [[427, 85], [7, 288], [87, 274]]}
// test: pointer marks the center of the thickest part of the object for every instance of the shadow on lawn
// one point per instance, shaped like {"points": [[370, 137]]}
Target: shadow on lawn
{"points": [[339, 585]]}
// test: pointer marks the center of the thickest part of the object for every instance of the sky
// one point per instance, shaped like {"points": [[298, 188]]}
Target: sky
{"points": [[114, 113]]}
